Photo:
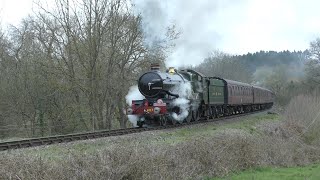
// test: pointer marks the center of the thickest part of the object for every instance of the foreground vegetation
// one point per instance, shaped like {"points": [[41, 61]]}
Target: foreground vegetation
{"points": [[311, 172], [257, 141]]}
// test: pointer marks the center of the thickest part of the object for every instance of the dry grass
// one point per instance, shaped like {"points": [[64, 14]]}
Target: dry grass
{"points": [[230, 150], [278, 143], [302, 118]]}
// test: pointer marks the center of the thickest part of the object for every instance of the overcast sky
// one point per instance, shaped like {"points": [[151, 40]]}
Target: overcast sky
{"points": [[236, 26]]}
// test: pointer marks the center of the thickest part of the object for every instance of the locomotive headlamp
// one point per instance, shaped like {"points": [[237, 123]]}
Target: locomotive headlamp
{"points": [[129, 111], [156, 110], [171, 70]]}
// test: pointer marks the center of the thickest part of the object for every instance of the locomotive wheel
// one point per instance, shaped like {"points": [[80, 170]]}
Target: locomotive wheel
{"points": [[140, 124], [163, 120], [173, 121], [189, 117], [177, 111], [195, 115]]}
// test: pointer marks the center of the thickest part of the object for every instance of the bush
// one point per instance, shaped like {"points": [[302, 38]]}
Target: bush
{"points": [[228, 151], [291, 142], [302, 117]]}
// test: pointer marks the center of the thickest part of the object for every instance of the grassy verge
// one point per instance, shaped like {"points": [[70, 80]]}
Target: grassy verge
{"points": [[159, 138], [247, 124], [311, 172], [194, 152]]}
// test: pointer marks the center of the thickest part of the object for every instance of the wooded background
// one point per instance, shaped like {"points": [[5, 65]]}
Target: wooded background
{"points": [[68, 69]]}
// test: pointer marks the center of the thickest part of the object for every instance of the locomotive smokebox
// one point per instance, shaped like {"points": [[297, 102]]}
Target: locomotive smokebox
{"points": [[150, 84], [156, 84]]}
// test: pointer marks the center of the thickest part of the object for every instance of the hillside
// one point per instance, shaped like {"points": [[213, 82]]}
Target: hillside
{"points": [[271, 58]]}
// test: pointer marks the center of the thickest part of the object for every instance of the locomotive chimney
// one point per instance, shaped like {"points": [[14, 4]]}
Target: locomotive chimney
{"points": [[155, 67]]}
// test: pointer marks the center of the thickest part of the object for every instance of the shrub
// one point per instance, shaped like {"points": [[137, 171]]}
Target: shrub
{"points": [[302, 117], [274, 143]]}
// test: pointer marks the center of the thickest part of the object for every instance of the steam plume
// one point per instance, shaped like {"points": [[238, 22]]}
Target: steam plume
{"points": [[133, 94], [185, 92], [192, 19], [133, 120]]}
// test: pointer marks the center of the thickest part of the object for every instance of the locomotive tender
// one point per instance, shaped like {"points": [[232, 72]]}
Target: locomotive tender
{"points": [[186, 95]]}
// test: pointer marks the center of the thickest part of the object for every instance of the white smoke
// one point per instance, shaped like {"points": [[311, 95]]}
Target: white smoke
{"points": [[155, 20], [193, 21], [133, 94], [184, 91], [133, 119], [184, 106]]}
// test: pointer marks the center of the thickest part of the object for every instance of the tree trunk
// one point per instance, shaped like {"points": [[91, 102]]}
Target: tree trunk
{"points": [[122, 116], [78, 110]]}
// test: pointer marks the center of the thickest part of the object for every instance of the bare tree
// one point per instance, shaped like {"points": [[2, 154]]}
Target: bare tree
{"points": [[68, 69], [100, 43], [221, 65]]}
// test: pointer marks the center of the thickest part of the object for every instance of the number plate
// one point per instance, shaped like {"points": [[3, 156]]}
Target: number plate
{"points": [[150, 110]]}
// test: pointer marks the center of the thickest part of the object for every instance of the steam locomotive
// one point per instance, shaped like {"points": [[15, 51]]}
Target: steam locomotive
{"points": [[187, 95]]}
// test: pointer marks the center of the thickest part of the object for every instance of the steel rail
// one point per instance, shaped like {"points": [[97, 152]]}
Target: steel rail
{"points": [[32, 142]]}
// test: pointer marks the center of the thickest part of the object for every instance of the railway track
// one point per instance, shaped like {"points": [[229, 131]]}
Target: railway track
{"points": [[98, 134]]}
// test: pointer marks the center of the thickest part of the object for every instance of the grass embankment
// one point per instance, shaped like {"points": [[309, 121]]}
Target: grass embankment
{"points": [[199, 151], [161, 138], [247, 124], [311, 172], [146, 155]]}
